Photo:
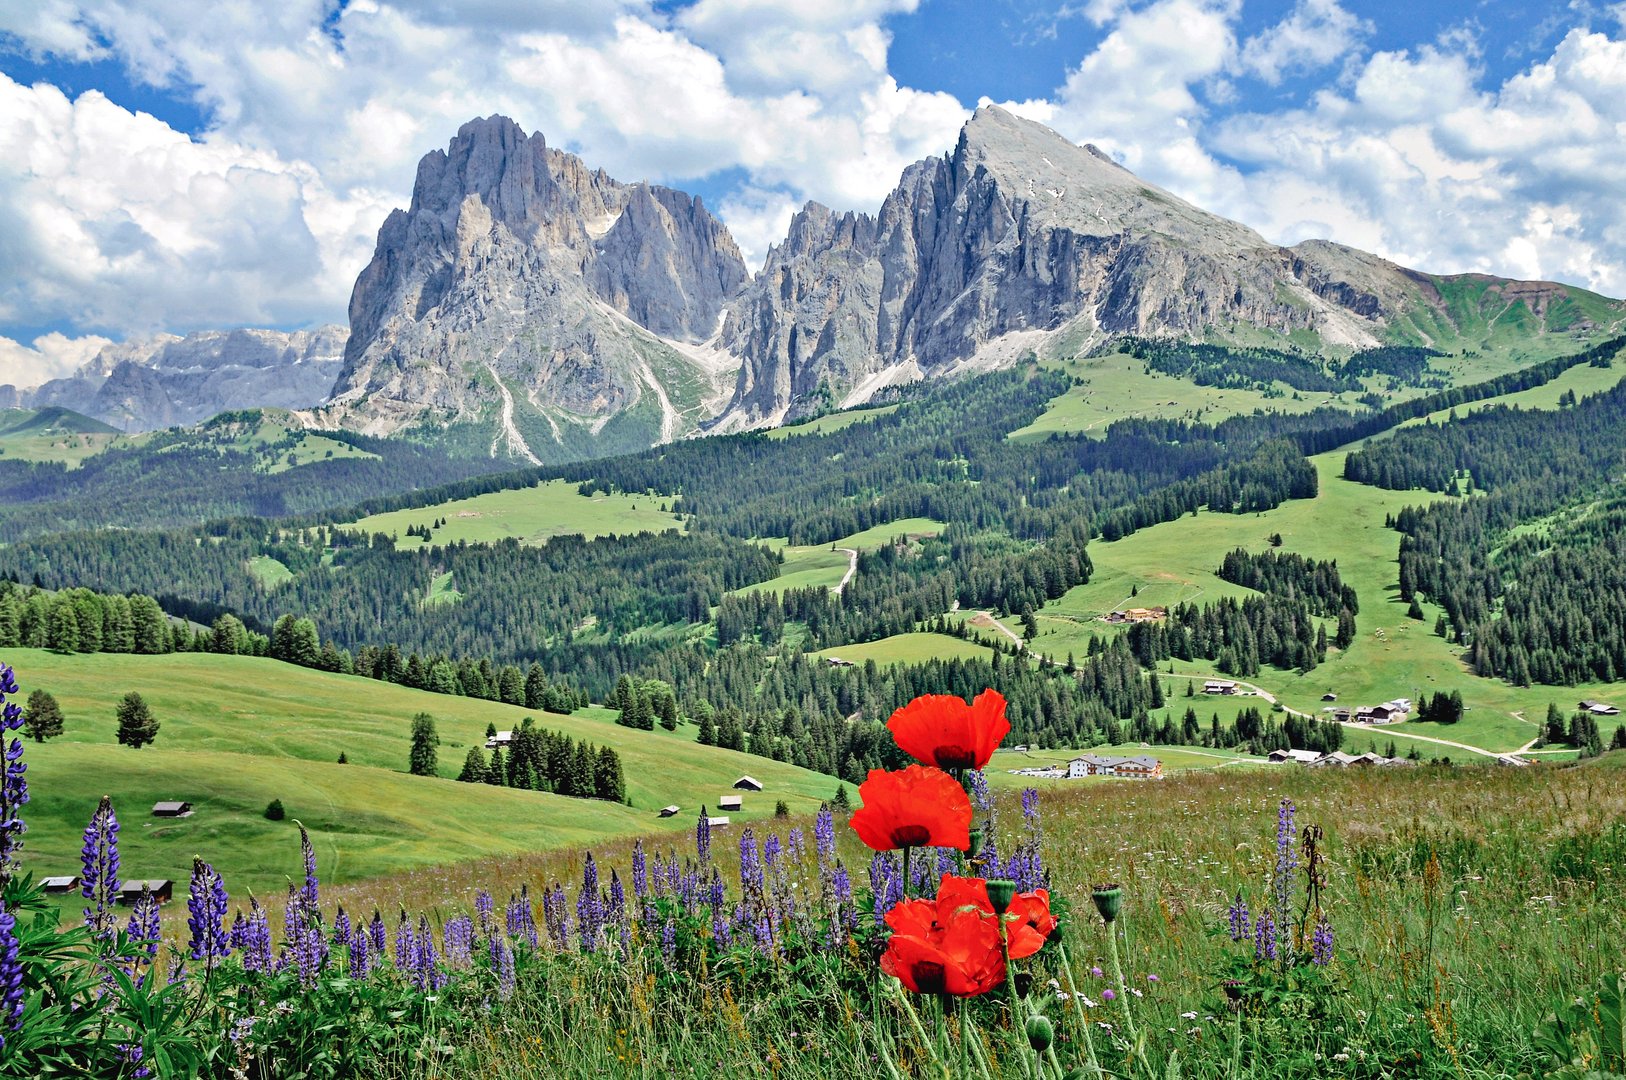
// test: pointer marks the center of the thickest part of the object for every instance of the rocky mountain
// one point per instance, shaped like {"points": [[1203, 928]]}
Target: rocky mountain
{"points": [[530, 303], [1020, 241], [165, 381], [526, 305]]}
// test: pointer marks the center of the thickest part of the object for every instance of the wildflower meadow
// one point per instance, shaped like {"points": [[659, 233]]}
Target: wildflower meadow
{"points": [[1417, 923]]}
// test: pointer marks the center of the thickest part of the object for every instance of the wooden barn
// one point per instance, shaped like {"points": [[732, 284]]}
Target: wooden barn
{"points": [[731, 802], [670, 811], [172, 809], [748, 783], [162, 889]]}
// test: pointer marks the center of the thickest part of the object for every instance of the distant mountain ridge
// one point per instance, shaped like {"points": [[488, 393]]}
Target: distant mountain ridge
{"points": [[536, 308], [165, 381], [529, 307]]}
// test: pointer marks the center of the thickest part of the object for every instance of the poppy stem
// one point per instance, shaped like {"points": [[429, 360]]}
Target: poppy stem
{"points": [[920, 1032], [1083, 1023], [1018, 1013], [907, 881]]}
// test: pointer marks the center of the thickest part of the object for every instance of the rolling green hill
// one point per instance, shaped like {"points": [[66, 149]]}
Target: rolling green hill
{"points": [[237, 732]]}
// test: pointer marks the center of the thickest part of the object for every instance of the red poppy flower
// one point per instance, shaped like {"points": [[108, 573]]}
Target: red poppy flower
{"points": [[943, 953], [1028, 921], [914, 807], [942, 730]]}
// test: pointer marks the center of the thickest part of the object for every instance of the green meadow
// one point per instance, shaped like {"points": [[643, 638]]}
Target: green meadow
{"points": [[531, 515], [809, 565], [1116, 387], [914, 648], [829, 422], [237, 732]]}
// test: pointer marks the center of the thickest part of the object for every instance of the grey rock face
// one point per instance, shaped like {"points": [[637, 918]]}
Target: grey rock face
{"points": [[546, 310], [164, 381], [532, 297], [1017, 232]]}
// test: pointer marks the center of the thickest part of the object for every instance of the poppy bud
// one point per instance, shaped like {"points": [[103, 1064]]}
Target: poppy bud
{"points": [[976, 844], [1000, 894], [1040, 1033], [1108, 899]]}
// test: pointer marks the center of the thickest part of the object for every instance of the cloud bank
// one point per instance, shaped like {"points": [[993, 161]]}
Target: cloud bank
{"points": [[114, 224]]}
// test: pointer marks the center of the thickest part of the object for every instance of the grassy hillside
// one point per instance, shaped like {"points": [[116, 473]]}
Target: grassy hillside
{"points": [[1116, 387], [53, 434], [826, 564], [238, 732], [532, 515]]}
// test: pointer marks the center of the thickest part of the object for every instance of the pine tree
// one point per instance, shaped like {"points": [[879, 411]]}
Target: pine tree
{"points": [[496, 772], [609, 783], [1619, 741], [137, 726], [424, 759], [43, 718], [474, 767]]}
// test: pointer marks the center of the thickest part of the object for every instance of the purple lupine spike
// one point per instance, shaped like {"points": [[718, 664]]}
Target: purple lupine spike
{"points": [[719, 926], [379, 933], [360, 956], [1030, 808], [1264, 937], [292, 919], [669, 941], [406, 946], [144, 927], [457, 936], [1321, 943], [589, 907], [310, 954], [880, 874], [206, 906], [506, 980], [555, 918], [256, 944], [796, 845], [483, 908], [674, 873], [13, 786], [750, 862], [1239, 918], [657, 873], [618, 896], [99, 870], [341, 929], [1287, 865], [640, 870], [238, 933], [770, 851], [702, 837], [11, 968], [426, 973], [977, 786], [309, 894], [520, 918], [824, 834]]}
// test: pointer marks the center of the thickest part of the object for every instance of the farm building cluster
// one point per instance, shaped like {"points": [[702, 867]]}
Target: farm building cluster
{"points": [[1315, 759], [1139, 767], [1136, 615], [732, 803], [1390, 712]]}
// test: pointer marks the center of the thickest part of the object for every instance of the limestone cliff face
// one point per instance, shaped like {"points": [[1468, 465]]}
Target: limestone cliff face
{"points": [[528, 306], [1016, 234], [537, 304], [164, 381]]}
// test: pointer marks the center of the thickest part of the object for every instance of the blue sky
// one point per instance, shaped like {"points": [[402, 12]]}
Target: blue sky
{"points": [[166, 167]]}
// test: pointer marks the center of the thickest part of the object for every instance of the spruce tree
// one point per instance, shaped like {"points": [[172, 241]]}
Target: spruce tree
{"points": [[137, 726], [424, 759], [474, 767], [42, 719]]}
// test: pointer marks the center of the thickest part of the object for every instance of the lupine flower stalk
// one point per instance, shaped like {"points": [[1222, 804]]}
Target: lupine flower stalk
{"points": [[206, 906], [99, 870], [13, 787], [11, 972]]}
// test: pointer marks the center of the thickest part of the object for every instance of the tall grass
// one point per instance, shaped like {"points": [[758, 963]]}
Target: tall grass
{"points": [[1469, 905]]}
